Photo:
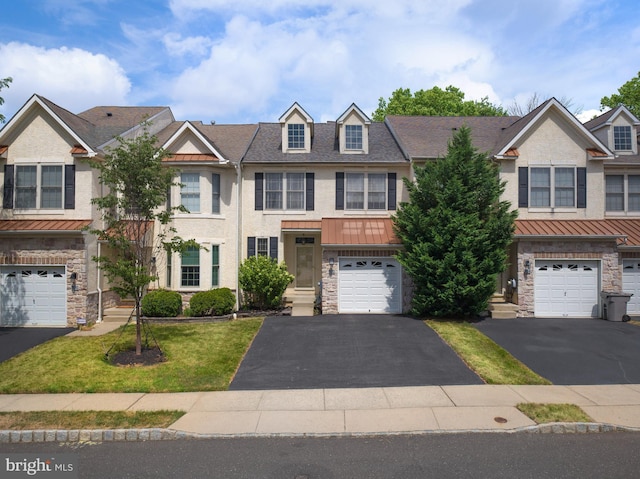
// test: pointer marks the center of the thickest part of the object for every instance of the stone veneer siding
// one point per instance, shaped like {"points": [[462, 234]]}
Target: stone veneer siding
{"points": [[330, 279], [61, 251], [604, 251]]}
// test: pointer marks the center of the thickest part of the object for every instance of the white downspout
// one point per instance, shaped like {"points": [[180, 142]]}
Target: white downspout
{"points": [[98, 287], [238, 230]]}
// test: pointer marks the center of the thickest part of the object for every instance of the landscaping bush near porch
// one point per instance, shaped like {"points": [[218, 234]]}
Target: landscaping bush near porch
{"points": [[200, 357]]}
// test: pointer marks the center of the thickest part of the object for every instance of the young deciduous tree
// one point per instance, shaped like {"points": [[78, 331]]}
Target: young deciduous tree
{"points": [[628, 95], [434, 102], [455, 231], [136, 184], [4, 83]]}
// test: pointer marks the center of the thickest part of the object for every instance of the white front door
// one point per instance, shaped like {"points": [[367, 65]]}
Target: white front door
{"points": [[369, 285], [33, 296], [567, 288]]}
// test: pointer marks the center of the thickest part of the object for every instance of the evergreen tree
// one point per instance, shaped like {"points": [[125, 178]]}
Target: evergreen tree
{"points": [[455, 231]]}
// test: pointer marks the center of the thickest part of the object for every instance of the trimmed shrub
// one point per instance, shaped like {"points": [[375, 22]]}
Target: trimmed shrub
{"points": [[161, 303], [263, 282], [215, 302]]}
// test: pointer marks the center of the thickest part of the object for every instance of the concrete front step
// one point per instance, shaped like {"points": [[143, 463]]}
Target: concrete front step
{"points": [[503, 310]]}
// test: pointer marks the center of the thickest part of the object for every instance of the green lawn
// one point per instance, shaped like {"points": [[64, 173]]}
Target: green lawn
{"points": [[200, 357], [87, 419], [491, 362], [545, 413]]}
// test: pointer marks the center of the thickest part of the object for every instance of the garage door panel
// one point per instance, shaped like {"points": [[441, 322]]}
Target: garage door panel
{"points": [[631, 284], [369, 285], [33, 296], [566, 288]]}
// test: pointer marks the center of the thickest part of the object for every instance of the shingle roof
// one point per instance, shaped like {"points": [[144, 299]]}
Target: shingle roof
{"points": [[267, 146], [111, 121], [599, 120], [231, 141], [428, 136]]}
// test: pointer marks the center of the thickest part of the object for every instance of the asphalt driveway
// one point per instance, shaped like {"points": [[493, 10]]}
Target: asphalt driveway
{"points": [[14, 341], [571, 351], [342, 351]]}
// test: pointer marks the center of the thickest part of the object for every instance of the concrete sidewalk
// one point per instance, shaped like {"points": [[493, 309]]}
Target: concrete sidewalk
{"points": [[394, 410]]}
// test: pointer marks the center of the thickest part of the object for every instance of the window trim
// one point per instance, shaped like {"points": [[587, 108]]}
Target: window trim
{"points": [[366, 200], [284, 191], [196, 278], [624, 137], [296, 136], [215, 266], [625, 193], [352, 143], [185, 193], [553, 187], [39, 186]]}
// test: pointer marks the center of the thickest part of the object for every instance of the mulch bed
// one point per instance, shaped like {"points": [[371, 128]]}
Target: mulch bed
{"points": [[148, 357]]}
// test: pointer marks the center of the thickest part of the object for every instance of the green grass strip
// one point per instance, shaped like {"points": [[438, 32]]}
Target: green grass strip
{"points": [[545, 413], [34, 420], [491, 362]]}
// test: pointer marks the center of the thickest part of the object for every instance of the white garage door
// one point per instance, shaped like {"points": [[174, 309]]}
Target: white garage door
{"points": [[631, 284], [369, 285], [567, 288], [33, 296]]}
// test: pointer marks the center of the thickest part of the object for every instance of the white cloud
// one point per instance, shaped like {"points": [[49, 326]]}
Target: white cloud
{"points": [[178, 46], [74, 79]]}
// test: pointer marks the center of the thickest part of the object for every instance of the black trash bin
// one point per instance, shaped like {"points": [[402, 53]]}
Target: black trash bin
{"points": [[615, 305]]}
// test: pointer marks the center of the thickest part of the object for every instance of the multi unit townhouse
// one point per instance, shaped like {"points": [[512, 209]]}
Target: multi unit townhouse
{"points": [[321, 197]]}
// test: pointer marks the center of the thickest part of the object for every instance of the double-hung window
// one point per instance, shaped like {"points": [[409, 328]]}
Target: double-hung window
{"points": [[190, 192], [295, 135], [366, 191], [622, 193], [284, 191], [353, 137], [39, 186], [262, 246], [190, 268], [622, 138], [553, 187]]}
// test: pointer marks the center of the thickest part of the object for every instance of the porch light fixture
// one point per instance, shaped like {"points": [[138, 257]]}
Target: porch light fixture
{"points": [[331, 263], [527, 267]]}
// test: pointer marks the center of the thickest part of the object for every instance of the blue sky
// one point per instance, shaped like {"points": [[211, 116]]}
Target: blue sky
{"points": [[244, 61]]}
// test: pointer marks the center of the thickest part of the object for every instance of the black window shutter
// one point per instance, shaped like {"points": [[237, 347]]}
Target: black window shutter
{"points": [[391, 191], [7, 192], [251, 246], [69, 187], [523, 186], [339, 191], [259, 191], [310, 192], [169, 199], [582, 187], [273, 247]]}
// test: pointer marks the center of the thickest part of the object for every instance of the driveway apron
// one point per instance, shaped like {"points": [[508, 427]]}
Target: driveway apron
{"points": [[571, 351], [343, 351], [14, 341]]}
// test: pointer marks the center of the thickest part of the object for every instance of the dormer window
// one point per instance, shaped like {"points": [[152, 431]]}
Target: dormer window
{"points": [[295, 134], [353, 137], [352, 130], [297, 130], [622, 138]]}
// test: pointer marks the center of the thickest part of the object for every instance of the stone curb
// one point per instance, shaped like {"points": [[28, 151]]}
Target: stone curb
{"points": [[160, 434]]}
